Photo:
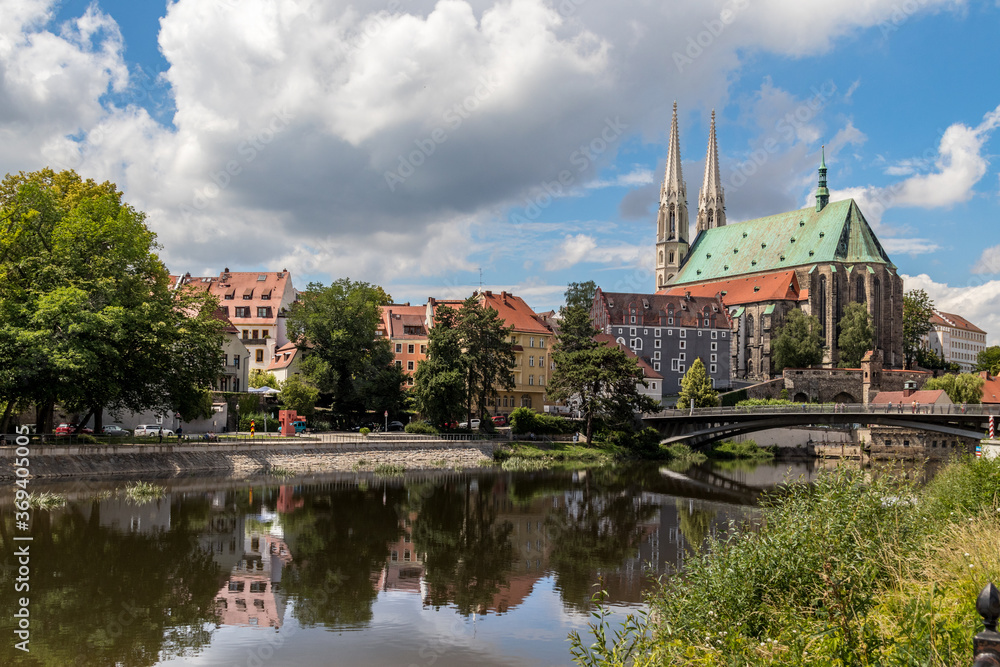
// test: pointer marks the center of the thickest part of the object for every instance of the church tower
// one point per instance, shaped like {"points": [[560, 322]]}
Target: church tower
{"points": [[822, 193], [711, 200], [672, 221]]}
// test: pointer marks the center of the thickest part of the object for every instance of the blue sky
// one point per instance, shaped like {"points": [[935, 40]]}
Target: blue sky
{"points": [[414, 143]]}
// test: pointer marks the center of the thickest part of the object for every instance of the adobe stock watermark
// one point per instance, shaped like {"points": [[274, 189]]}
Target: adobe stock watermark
{"points": [[581, 158], [901, 13], [453, 118], [714, 28], [246, 152]]}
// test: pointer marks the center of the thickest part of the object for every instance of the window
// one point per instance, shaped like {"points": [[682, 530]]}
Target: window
{"points": [[260, 356], [699, 333], [670, 332], [638, 344], [656, 366], [656, 355], [399, 348], [656, 332], [715, 346], [255, 336], [645, 332], [526, 401], [656, 343], [680, 368], [236, 385], [531, 341], [715, 334], [409, 365], [631, 332], [399, 364], [541, 342], [683, 344], [513, 339], [670, 320], [653, 385], [262, 311], [265, 334], [229, 296], [713, 369], [714, 358], [680, 381], [683, 333], [541, 362], [620, 329], [682, 356], [531, 379], [236, 360], [531, 360], [242, 311], [409, 349], [423, 349], [673, 364], [632, 320], [723, 334], [541, 380]]}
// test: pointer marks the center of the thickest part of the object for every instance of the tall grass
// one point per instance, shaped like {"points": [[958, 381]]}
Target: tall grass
{"points": [[856, 569]]}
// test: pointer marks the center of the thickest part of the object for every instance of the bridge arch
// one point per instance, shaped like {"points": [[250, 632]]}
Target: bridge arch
{"points": [[800, 397]]}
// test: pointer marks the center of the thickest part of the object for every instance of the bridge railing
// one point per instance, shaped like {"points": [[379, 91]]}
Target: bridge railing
{"points": [[835, 408]]}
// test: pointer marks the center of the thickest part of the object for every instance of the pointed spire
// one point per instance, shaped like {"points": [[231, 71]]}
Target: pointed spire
{"points": [[672, 220], [822, 193], [673, 179], [711, 199]]}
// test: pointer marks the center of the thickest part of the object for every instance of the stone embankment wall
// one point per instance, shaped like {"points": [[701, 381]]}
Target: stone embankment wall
{"points": [[239, 460]]}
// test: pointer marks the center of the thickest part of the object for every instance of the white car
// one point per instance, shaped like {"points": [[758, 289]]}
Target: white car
{"points": [[152, 430], [475, 424]]}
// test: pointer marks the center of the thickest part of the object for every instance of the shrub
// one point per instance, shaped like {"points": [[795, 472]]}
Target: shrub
{"points": [[420, 427], [522, 420], [681, 453], [365, 430], [747, 449], [526, 420], [521, 464], [86, 439], [758, 402], [258, 419], [644, 443], [388, 470], [318, 426]]}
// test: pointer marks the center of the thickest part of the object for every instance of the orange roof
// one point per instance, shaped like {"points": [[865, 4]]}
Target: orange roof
{"points": [[514, 312], [940, 319], [404, 321], [283, 357], [247, 289], [991, 388], [782, 286], [647, 370], [923, 397]]}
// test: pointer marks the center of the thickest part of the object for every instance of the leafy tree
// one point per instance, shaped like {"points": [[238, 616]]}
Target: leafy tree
{"points": [[697, 386], [488, 354], [602, 378], [928, 358], [961, 388], [798, 343], [348, 362], [989, 360], [261, 378], [856, 335], [917, 311], [439, 382], [299, 394], [580, 295], [88, 317]]}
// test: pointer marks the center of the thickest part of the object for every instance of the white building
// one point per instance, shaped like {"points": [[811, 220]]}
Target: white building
{"points": [[955, 339]]}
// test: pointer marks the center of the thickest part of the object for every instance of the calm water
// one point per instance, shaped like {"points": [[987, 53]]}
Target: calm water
{"points": [[485, 568]]}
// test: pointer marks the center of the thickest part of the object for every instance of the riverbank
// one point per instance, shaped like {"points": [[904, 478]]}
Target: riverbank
{"points": [[241, 459], [860, 568]]}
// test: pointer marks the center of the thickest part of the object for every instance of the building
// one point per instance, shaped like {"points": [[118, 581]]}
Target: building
{"points": [[668, 331], [653, 387], [406, 327], [814, 259], [285, 362], [955, 339], [889, 442]]}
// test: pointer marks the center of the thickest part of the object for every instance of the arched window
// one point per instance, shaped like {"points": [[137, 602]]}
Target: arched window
{"points": [[661, 257], [750, 332], [711, 217], [671, 256], [821, 307], [673, 222], [861, 290], [525, 401]]}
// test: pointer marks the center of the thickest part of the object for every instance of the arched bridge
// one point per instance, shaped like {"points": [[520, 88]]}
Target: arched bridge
{"points": [[701, 426]]}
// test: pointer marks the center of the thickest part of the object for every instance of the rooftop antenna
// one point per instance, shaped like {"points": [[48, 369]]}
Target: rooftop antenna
{"points": [[480, 279]]}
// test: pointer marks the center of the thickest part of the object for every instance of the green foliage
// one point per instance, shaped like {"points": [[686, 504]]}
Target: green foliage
{"points": [[249, 403], [300, 394], [420, 427], [143, 492], [783, 394], [732, 398], [388, 470], [928, 358], [989, 360], [857, 335], [580, 295], [88, 317], [746, 449], [758, 402], [917, 311], [696, 386], [521, 464], [365, 430], [526, 420], [258, 422], [261, 378], [641, 444], [682, 453], [961, 388], [196, 404], [798, 343]]}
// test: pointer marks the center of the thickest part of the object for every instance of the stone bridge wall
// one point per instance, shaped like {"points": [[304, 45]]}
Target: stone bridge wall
{"points": [[831, 385]]}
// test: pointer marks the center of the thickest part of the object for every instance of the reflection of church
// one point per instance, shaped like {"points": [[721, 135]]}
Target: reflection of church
{"points": [[814, 259]]}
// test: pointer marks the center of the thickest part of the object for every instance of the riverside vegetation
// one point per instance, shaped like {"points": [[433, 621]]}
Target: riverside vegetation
{"points": [[858, 568]]}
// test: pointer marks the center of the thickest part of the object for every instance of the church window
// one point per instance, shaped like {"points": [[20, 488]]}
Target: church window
{"points": [[821, 305], [661, 257], [749, 326], [671, 256], [861, 290], [877, 306], [673, 225]]}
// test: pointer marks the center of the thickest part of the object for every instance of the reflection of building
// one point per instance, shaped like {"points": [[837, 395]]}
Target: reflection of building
{"points": [[124, 515], [287, 501], [403, 569], [249, 598]]}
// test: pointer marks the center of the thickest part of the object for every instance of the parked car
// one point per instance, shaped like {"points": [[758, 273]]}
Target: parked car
{"points": [[499, 420], [300, 426], [114, 429], [371, 426], [475, 424], [152, 430], [69, 429], [396, 426]]}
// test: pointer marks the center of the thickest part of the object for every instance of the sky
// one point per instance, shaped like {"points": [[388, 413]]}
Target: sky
{"points": [[436, 147]]}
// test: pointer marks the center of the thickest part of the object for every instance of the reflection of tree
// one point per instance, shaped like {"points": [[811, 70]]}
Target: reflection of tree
{"points": [[100, 597], [598, 530], [340, 542], [694, 522], [467, 553]]}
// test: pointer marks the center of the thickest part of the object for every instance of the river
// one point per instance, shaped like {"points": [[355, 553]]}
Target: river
{"points": [[440, 568]]}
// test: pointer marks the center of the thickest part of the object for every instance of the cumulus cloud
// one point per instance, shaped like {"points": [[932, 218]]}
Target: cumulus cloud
{"points": [[584, 248], [989, 261], [975, 302]]}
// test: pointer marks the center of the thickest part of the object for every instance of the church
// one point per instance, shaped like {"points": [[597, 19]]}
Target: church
{"points": [[815, 259]]}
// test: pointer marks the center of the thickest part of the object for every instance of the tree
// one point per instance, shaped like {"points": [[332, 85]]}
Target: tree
{"points": [[602, 378], [88, 316], [261, 378], [797, 344], [348, 361], [917, 312], [439, 382], [961, 388], [928, 358], [488, 354], [580, 294], [856, 335], [299, 394], [696, 386], [989, 360]]}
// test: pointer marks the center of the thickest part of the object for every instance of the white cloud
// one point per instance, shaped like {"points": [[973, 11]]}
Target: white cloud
{"points": [[910, 247], [976, 302], [635, 178], [583, 248], [989, 261]]}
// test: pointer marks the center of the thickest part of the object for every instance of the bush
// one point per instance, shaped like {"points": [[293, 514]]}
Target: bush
{"points": [[317, 426], [420, 427], [486, 425], [526, 420], [258, 419], [747, 449], [365, 430], [758, 402], [681, 453], [644, 443], [86, 439]]}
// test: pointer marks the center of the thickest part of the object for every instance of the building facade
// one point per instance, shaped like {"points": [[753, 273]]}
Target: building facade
{"points": [[669, 331], [406, 327], [955, 339]]}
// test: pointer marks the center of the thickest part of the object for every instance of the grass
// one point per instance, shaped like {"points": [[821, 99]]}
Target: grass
{"points": [[389, 470], [522, 464], [143, 492], [46, 500], [557, 454], [745, 449], [859, 568], [359, 465]]}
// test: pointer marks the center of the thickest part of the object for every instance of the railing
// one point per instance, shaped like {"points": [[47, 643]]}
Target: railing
{"points": [[986, 644], [836, 408]]}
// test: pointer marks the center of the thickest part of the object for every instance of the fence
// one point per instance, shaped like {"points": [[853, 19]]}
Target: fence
{"points": [[986, 644]]}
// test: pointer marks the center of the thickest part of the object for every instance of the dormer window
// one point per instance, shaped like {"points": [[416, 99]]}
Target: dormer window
{"points": [[261, 277]]}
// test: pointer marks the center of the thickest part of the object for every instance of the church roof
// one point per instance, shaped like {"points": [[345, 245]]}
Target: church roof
{"points": [[838, 233], [783, 286]]}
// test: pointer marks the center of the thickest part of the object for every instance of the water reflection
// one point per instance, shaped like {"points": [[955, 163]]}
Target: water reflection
{"points": [[114, 582]]}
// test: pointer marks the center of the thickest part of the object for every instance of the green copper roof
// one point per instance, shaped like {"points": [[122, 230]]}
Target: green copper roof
{"points": [[839, 233]]}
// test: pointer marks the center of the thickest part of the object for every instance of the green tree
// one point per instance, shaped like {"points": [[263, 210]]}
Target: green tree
{"points": [[580, 294], [348, 361], [299, 394], [989, 360], [261, 378], [488, 355], [603, 379], [798, 343], [697, 386], [917, 311], [961, 388], [88, 316], [928, 358], [439, 382], [856, 335]]}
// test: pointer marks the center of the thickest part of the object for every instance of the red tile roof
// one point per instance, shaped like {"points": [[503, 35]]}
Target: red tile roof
{"points": [[647, 370], [514, 312], [264, 289], [783, 286], [956, 321], [397, 319], [991, 388], [923, 397], [283, 357], [617, 308]]}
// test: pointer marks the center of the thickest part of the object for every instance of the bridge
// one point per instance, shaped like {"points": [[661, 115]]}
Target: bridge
{"points": [[701, 426]]}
